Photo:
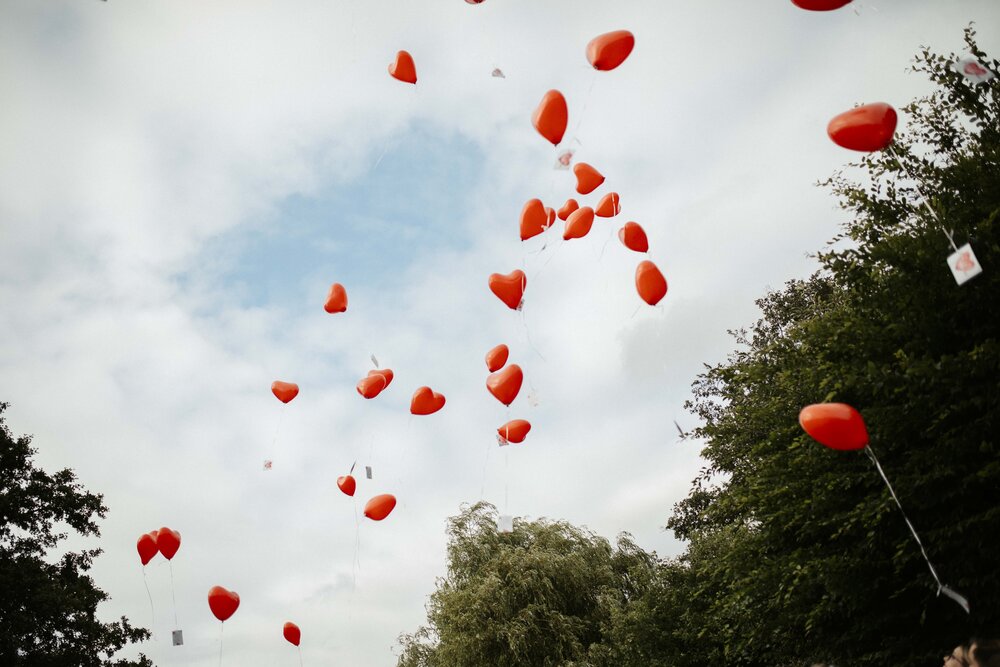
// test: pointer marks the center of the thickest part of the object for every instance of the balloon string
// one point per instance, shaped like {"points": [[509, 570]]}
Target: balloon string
{"points": [[172, 593], [586, 101], [300, 655], [506, 476], [356, 562], [222, 628], [527, 336], [923, 199], [152, 610], [913, 531], [274, 440]]}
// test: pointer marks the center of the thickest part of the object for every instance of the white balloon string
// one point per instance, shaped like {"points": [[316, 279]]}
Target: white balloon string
{"points": [[172, 593], [300, 655], [506, 478], [583, 108], [527, 336], [222, 628], [277, 426], [152, 610], [923, 199], [486, 462]]}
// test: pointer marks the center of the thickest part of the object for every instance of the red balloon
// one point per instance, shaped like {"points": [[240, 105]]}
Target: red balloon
{"points": [[608, 51], [633, 236], [505, 384], [609, 206], [550, 216], [347, 484], [588, 179], [426, 402], [497, 357], [867, 128], [223, 603], [379, 507], [509, 288], [292, 633], [568, 208], [836, 425], [579, 223], [820, 5], [284, 391], [403, 68], [168, 542], [650, 283], [146, 545], [515, 430], [376, 380], [534, 219], [551, 116], [336, 300]]}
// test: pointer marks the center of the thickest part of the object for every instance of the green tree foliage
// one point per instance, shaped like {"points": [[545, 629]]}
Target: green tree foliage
{"points": [[48, 609], [797, 552], [546, 594]]}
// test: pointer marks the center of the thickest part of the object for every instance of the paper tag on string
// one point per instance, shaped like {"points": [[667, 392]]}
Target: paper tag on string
{"points": [[506, 523], [520, 305], [375, 361], [502, 441], [368, 472], [564, 160], [178, 637], [267, 464], [963, 264], [973, 70], [497, 73], [957, 597], [532, 399]]}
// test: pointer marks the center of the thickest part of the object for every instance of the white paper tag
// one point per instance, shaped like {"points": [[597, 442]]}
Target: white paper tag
{"points": [[506, 523], [973, 70], [267, 464], [564, 160], [963, 264], [375, 361], [368, 472], [502, 441], [498, 74], [957, 597], [178, 637]]}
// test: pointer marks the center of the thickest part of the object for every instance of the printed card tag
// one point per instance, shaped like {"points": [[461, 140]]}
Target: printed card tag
{"points": [[973, 70], [502, 441], [963, 264], [498, 73], [375, 361], [368, 472], [267, 464], [506, 523], [564, 160], [178, 637]]}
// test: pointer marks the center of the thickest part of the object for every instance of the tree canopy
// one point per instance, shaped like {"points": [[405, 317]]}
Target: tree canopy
{"points": [[48, 617]]}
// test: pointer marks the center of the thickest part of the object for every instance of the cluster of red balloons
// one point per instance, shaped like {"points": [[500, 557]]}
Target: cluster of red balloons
{"points": [[163, 541], [504, 383]]}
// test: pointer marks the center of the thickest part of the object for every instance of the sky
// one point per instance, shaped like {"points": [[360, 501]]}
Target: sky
{"points": [[181, 182]]}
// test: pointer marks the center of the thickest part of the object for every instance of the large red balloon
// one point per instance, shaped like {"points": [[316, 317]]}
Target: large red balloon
{"points": [[551, 116], [223, 603], [347, 484], [509, 288], [336, 300], [579, 223], [497, 357], [292, 633], [608, 51], [588, 179], [515, 430], [820, 5], [650, 283], [506, 384], [836, 425], [426, 402], [867, 128], [373, 384], [146, 545], [633, 237], [284, 391], [168, 542], [403, 68], [534, 219], [379, 507]]}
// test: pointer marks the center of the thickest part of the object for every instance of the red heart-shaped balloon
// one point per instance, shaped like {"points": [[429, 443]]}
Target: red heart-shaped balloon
{"points": [[867, 128], [588, 179], [426, 402], [633, 237], [505, 384], [146, 545], [567, 209], [403, 68], [820, 5], [836, 425], [379, 507], [347, 484], [534, 219], [608, 51], [515, 430], [497, 357], [509, 288], [292, 633], [168, 542], [609, 206], [650, 283], [223, 603], [376, 380], [551, 116], [336, 300], [284, 391], [579, 223]]}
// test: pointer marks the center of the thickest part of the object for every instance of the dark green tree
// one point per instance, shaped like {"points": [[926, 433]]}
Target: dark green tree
{"points": [[48, 609], [797, 552]]}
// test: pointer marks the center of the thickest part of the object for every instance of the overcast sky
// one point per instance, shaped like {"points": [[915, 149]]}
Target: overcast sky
{"points": [[181, 182]]}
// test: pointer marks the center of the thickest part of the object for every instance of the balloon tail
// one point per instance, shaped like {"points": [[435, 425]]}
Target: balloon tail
{"points": [[152, 610]]}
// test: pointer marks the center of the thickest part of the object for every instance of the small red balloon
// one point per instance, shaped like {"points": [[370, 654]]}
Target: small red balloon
{"points": [[534, 219], [836, 425], [515, 430], [223, 603], [609, 206], [579, 223], [820, 5], [168, 542], [505, 384], [588, 179], [379, 507], [292, 633], [284, 391], [633, 237], [567, 209], [650, 283], [403, 68], [509, 288], [347, 484], [426, 402], [146, 545], [336, 300], [867, 128], [497, 357], [551, 116], [608, 51]]}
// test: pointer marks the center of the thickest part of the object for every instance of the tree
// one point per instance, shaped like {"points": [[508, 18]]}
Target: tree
{"points": [[796, 552], [546, 594], [48, 610]]}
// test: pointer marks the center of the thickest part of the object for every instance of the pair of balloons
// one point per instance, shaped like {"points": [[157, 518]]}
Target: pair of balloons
{"points": [[373, 384], [164, 541]]}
